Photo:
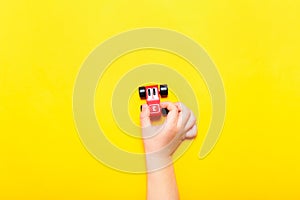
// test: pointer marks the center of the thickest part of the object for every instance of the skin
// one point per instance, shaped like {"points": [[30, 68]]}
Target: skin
{"points": [[160, 142]]}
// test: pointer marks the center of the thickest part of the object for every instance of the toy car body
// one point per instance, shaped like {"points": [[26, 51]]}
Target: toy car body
{"points": [[152, 95]]}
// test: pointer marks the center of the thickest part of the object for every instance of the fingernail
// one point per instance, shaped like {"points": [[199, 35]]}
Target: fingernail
{"points": [[143, 107]]}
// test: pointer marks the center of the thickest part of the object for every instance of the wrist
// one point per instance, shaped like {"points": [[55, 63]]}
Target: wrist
{"points": [[156, 161]]}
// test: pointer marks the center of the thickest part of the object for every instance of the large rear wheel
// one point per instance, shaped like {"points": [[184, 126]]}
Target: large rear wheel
{"points": [[142, 92], [163, 90]]}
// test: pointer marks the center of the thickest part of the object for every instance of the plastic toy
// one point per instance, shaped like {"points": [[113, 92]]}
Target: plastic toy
{"points": [[152, 96]]}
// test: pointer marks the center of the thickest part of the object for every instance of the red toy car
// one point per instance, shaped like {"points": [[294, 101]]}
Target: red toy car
{"points": [[152, 96]]}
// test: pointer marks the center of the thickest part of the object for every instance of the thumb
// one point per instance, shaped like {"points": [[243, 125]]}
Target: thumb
{"points": [[145, 116]]}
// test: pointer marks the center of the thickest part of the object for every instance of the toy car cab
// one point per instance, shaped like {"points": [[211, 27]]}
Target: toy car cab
{"points": [[152, 95]]}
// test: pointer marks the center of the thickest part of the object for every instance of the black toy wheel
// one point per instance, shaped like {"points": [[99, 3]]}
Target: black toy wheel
{"points": [[164, 111], [142, 92], [163, 90]]}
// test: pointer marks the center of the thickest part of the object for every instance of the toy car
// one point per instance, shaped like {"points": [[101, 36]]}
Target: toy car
{"points": [[152, 96]]}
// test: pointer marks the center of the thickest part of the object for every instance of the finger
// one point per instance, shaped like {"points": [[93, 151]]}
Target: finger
{"points": [[184, 115], [179, 106], [172, 117], [190, 122], [192, 133], [145, 116]]}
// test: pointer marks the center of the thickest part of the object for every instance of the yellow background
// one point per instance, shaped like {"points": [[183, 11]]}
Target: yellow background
{"points": [[255, 45]]}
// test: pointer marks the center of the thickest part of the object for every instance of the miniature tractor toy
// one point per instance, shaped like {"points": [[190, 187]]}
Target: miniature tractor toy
{"points": [[152, 96]]}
